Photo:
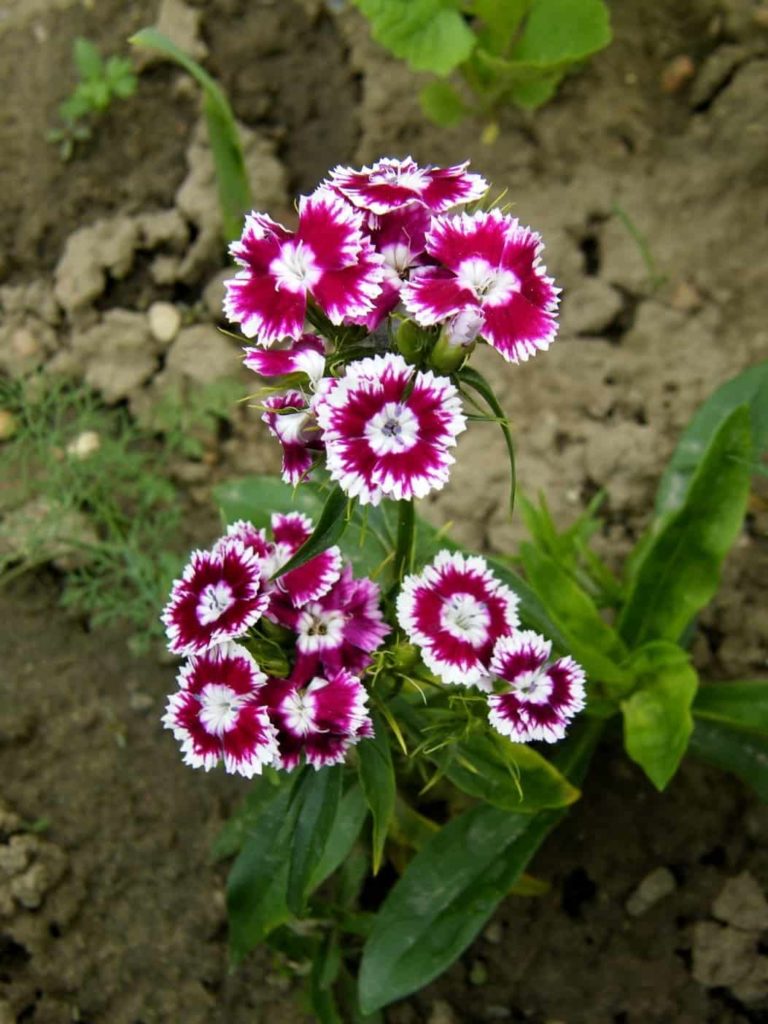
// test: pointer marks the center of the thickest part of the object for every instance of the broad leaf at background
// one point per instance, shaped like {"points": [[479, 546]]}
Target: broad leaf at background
{"points": [[500, 20], [430, 35], [740, 704], [377, 777], [255, 498], [442, 104], [558, 32], [231, 175], [508, 775], [734, 749], [315, 804], [657, 717], [680, 571], [451, 887]]}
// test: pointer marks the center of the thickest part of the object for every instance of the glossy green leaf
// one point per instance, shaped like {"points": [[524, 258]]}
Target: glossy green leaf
{"points": [[508, 775], [245, 820], [231, 175], [350, 816], [657, 717], [532, 611], [256, 887], [681, 568], [749, 388], [430, 35], [316, 802], [740, 704], [450, 889], [377, 777], [442, 104], [474, 379], [560, 32], [328, 530], [734, 749], [501, 19]]}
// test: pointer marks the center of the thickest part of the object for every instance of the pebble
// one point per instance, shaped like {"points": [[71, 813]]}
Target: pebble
{"points": [[677, 74], [8, 425], [164, 321], [654, 887], [84, 445], [742, 904], [441, 1013]]}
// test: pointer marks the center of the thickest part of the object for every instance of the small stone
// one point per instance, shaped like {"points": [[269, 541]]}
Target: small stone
{"points": [[654, 887], [722, 956], [715, 72], [30, 888], [590, 307], [84, 445], [15, 856], [677, 74], [441, 1013], [119, 353], [164, 321], [108, 246], [203, 355], [686, 297], [8, 425], [165, 227], [741, 903], [494, 933], [165, 269]]}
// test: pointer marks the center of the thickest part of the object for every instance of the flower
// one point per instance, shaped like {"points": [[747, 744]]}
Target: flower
{"points": [[488, 280], [219, 597], [390, 183], [327, 258], [216, 714], [399, 237], [455, 611], [321, 720], [291, 421], [541, 698], [387, 429], [307, 356]]}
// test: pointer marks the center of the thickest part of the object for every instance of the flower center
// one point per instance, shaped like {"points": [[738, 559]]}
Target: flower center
{"points": [[533, 687], [299, 710], [394, 428], [398, 257], [215, 599], [465, 618], [491, 285], [320, 630], [410, 178], [295, 268], [219, 708]]}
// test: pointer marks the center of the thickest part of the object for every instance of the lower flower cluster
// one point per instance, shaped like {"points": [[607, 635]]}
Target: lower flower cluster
{"points": [[313, 629]]}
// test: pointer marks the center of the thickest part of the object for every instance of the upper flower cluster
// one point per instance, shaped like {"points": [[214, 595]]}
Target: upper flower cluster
{"points": [[313, 630], [375, 248]]}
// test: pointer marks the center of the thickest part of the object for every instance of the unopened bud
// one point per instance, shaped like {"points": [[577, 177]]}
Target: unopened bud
{"points": [[413, 342], [456, 341]]}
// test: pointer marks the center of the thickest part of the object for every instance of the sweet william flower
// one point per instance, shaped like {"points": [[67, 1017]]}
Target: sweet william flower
{"points": [[307, 356], [217, 714], [292, 422], [455, 611], [327, 259], [389, 183], [488, 281], [388, 429], [540, 698]]}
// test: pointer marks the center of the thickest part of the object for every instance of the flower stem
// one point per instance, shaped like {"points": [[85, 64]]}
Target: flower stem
{"points": [[406, 521]]}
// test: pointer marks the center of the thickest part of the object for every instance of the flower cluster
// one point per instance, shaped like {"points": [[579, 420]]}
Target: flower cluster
{"points": [[318, 622], [465, 623], [361, 315]]}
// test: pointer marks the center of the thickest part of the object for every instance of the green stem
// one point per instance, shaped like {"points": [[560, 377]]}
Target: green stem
{"points": [[406, 522]]}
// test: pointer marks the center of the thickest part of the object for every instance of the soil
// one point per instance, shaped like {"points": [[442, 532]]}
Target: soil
{"points": [[122, 918]]}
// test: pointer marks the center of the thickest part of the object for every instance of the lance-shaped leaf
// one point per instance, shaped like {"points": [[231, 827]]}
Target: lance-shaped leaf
{"points": [[657, 717], [350, 816], [231, 176], [473, 379], [377, 777], [316, 802], [734, 749], [451, 887], [681, 568], [330, 526], [742, 704]]}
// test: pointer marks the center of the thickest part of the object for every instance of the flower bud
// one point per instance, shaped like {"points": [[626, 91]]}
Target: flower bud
{"points": [[456, 341], [413, 341]]}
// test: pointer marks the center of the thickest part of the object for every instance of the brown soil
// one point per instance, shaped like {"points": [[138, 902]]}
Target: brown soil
{"points": [[126, 923]]}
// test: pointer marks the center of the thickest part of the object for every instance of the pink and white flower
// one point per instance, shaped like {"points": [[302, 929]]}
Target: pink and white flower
{"points": [[390, 183], [291, 421], [307, 356], [489, 281], [388, 429], [310, 581], [327, 258], [217, 715], [400, 238], [320, 721], [455, 611], [219, 597], [541, 698]]}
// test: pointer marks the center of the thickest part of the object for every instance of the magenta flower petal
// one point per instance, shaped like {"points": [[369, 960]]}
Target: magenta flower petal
{"points": [[434, 295], [307, 355], [349, 293], [388, 429], [330, 228], [311, 581], [219, 597], [250, 537], [390, 183], [261, 310], [290, 420], [455, 611], [540, 699], [216, 713]]}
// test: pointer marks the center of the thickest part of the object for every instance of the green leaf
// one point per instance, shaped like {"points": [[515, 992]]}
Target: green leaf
{"points": [[343, 835], [377, 777], [743, 705], [450, 889], [88, 60], [533, 614], [240, 825], [681, 568], [533, 93], [430, 35], [330, 527], [256, 887], [588, 637], [501, 20], [748, 388], [442, 104], [737, 750], [562, 32], [475, 380], [231, 175], [657, 717], [257, 497], [316, 803], [508, 775], [326, 964]]}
